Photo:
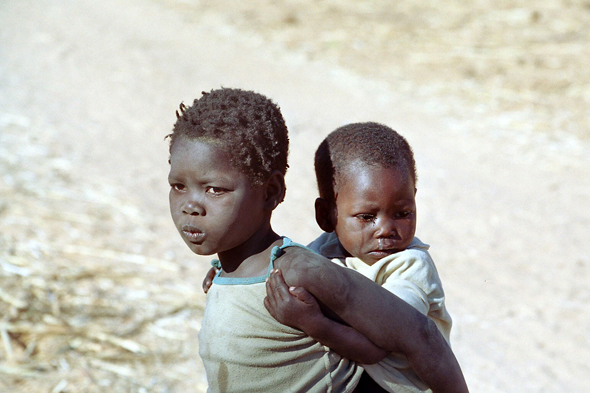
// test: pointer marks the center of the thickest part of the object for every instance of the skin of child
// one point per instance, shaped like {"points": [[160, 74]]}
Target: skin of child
{"points": [[217, 210], [374, 215]]}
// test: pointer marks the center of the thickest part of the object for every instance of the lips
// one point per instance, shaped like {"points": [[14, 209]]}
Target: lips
{"points": [[193, 234], [386, 246], [381, 253]]}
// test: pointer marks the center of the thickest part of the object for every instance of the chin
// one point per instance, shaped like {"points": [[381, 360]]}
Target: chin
{"points": [[198, 248]]}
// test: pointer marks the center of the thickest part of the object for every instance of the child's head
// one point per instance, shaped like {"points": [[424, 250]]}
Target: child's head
{"points": [[366, 177], [247, 125], [228, 157]]}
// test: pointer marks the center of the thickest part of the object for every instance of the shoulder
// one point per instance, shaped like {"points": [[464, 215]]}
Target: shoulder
{"points": [[321, 240], [417, 253], [328, 245], [301, 266], [414, 262], [417, 244], [298, 259]]}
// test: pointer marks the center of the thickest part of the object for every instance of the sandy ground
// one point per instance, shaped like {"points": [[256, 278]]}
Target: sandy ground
{"points": [[97, 291]]}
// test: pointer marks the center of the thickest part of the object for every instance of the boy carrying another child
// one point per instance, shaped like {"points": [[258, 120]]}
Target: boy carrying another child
{"points": [[228, 158]]}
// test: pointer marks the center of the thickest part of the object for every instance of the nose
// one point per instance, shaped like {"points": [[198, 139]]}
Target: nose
{"points": [[385, 228], [192, 206]]}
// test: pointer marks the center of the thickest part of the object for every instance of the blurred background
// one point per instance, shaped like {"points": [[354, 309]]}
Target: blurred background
{"points": [[97, 291]]}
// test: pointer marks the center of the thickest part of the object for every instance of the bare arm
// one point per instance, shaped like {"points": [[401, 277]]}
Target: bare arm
{"points": [[379, 315], [297, 308]]}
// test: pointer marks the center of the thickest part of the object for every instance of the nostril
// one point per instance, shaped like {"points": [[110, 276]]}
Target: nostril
{"points": [[387, 231], [193, 209]]}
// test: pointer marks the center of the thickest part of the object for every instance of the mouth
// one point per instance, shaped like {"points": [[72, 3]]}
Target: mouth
{"points": [[193, 234], [385, 247], [382, 253]]}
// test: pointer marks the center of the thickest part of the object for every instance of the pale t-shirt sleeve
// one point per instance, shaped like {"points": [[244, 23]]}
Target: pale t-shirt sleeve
{"points": [[410, 293], [411, 276]]}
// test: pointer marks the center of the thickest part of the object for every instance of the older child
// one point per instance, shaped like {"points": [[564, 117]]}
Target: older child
{"points": [[228, 158], [366, 176]]}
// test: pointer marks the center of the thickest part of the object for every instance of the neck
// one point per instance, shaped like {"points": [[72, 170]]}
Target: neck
{"points": [[233, 260]]}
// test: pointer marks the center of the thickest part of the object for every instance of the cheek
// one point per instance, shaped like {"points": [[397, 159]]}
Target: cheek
{"points": [[171, 202], [354, 237], [174, 203], [408, 230]]}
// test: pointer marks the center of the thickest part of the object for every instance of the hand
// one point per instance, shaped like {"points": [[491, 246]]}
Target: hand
{"points": [[208, 281], [291, 306]]}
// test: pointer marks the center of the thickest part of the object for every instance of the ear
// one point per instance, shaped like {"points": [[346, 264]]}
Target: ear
{"points": [[324, 215], [275, 190]]}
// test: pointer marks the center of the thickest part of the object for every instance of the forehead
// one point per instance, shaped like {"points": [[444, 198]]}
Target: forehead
{"points": [[358, 171], [200, 156], [363, 181]]}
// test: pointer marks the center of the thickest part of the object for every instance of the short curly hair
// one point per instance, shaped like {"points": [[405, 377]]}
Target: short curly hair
{"points": [[247, 125], [371, 143]]}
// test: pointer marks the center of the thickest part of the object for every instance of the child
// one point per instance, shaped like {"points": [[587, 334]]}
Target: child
{"points": [[228, 158], [366, 176]]}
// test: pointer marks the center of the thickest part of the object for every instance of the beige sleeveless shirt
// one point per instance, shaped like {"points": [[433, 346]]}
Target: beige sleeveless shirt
{"points": [[244, 349]]}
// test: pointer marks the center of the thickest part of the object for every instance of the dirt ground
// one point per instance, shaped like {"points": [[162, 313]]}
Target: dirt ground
{"points": [[97, 291]]}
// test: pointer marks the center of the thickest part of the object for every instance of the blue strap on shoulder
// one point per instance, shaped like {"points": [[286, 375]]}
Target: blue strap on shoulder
{"points": [[275, 253]]}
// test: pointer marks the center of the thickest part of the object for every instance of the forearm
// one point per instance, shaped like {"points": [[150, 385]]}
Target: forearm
{"points": [[361, 304], [403, 329], [345, 341], [433, 360]]}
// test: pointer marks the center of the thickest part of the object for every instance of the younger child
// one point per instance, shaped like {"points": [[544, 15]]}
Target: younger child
{"points": [[366, 176], [228, 158]]}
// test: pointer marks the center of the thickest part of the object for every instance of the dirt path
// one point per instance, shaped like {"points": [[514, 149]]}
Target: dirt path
{"points": [[98, 293]]}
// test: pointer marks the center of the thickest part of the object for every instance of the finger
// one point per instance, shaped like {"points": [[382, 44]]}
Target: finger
{"points": [[270, 293], [279, 283], [279, 288], [280, 278], [303, 295]]}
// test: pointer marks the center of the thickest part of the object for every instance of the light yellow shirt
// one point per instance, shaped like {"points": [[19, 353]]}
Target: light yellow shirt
{"points": [[410, 275]]}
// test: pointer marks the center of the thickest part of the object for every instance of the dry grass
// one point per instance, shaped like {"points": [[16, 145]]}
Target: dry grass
{"points": [[81, 299]]}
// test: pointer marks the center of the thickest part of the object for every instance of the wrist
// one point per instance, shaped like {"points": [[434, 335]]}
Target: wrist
{"points": [[316, 327]]}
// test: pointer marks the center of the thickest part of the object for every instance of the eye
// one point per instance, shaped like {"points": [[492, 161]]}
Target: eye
{"points": [[215, 190], [177, 187], [404, 214], [366, 217]]}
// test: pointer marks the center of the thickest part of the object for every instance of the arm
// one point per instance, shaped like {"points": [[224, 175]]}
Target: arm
{"points": [[297, 308], [361, 303]]}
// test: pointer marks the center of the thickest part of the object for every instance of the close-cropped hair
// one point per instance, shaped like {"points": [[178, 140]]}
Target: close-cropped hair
{"points": [[370, 143], [248, 126]]}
